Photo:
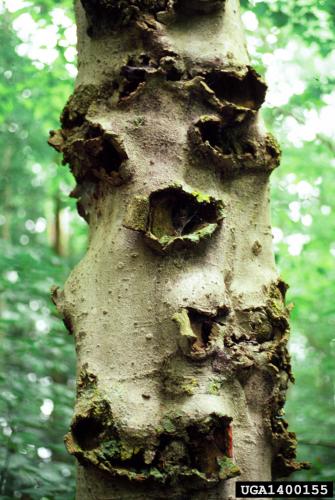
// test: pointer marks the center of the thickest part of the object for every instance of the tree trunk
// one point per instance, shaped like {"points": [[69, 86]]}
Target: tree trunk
{"points": [[177, 310], [57, 226]]}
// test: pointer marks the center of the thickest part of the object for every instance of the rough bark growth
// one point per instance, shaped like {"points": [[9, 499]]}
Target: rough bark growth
{"points": [[178, 314], [173, 218]]}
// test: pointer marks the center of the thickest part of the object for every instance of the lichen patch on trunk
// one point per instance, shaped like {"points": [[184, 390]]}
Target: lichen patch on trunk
{"points": [[195, 452]]}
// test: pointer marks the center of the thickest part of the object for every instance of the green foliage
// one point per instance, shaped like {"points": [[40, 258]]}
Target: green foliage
{"points": [[37, 356], [310, 406], [311, 21], [37, 383]]}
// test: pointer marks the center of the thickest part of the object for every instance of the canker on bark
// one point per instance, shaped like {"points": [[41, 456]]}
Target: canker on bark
{"points": [[178, 315]]}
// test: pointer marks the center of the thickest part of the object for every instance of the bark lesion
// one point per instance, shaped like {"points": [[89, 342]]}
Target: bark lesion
{"points": [[236, 92], [233, 149], [102, 15], [134, 74], [256, 338], [97, 157], [139, 69], [87, 381], [201, 333], [91, 152], [196, 452], [255, 344], [105, 13], [229, 138], [87, 432], [190, 447], [284, 445], [284, 442], [176, 382], [63, 307], [246, 90], [172, 218]]}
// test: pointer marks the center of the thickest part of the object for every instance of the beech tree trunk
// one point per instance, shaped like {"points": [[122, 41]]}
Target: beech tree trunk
{"points": [[57, 227], [177, 310]]}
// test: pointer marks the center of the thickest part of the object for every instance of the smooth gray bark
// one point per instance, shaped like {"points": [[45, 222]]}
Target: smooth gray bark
{"points": [[177, 309]]}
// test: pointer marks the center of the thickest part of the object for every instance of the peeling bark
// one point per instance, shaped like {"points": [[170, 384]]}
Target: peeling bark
{"points": [[178, 314]]}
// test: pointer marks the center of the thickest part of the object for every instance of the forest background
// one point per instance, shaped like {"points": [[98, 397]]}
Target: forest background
{"points": [[291, 43]]}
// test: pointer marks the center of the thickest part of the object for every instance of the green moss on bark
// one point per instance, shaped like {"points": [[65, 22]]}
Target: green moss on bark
{"points": [[181, 449]]}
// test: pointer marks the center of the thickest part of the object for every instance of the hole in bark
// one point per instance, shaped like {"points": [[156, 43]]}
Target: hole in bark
{"points": [[172, 67], [283, 287], [94, 153], [173, 218], [176, 213], [204, 329], [109, 158], [106, 15], [201, 447], [224, 139], [206, 448], [210, 131], [248, 92], [272, 150], [87, 432], [249, 148], [136, 462], [144, 59], [201, 333], [134, 76], [102, 154], [215, 135], [199, 450], [93, 133], [173, 74]]}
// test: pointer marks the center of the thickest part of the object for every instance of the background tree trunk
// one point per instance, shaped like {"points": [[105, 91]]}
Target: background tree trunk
{"points": [[177, 309], [57, 226]]}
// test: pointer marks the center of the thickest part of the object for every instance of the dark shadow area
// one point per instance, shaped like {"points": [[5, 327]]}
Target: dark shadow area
{"points": [[133, 77], [206, 328], [87, 432], [248, 91]]}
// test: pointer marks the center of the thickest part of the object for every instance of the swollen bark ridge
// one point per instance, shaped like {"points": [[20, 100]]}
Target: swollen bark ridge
{"points": [[178, 314]]}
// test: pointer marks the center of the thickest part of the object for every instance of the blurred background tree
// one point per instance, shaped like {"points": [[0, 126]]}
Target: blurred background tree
{"points": [[42, 237]]}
